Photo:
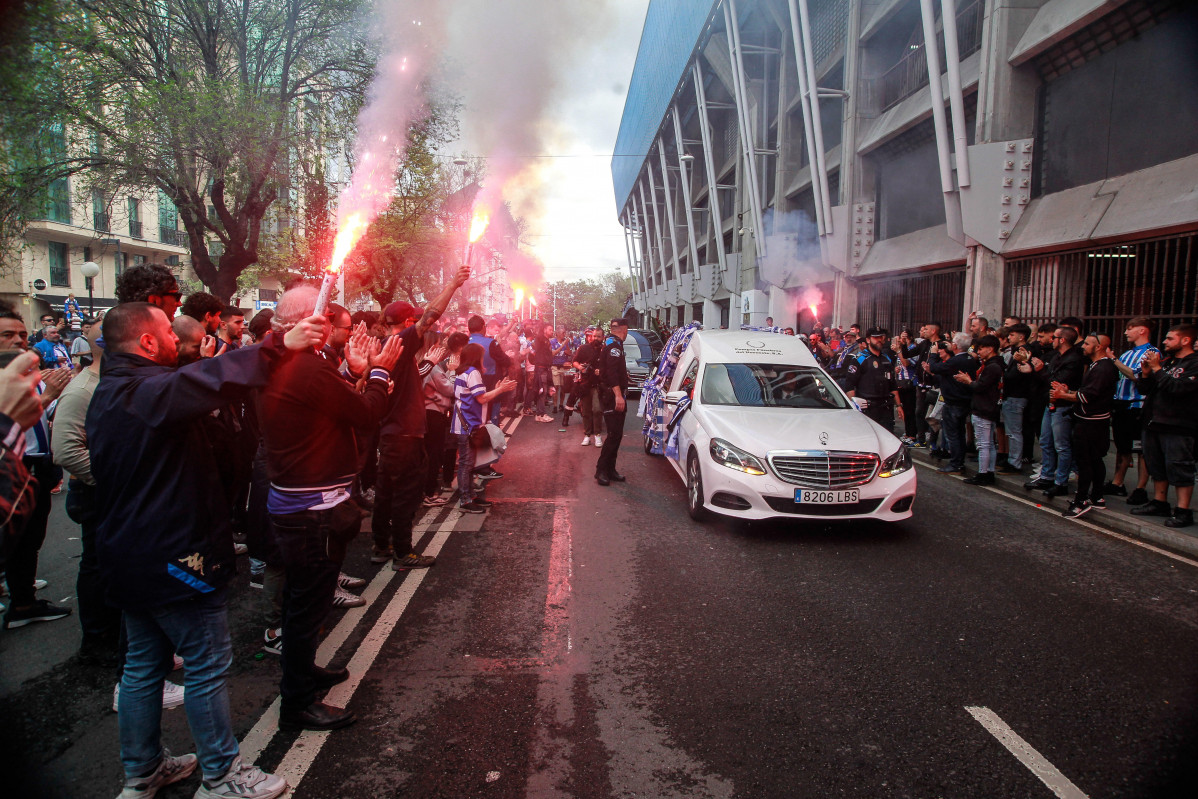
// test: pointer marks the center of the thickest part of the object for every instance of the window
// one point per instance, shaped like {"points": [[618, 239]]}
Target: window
{"points": [[168, 221], [60, 272], [688, 381], [138, 260], [135, 218], [99, 211], [119, 262], [769, 385], [58, 205], [268, 295]]}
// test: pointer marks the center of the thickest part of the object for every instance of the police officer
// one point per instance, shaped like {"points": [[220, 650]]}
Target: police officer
{"points": [[871, 378], [613, 383]]}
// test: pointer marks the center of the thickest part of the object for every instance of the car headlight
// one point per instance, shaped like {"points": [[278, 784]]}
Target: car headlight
{"points": [[725, 454], [897, 463]]}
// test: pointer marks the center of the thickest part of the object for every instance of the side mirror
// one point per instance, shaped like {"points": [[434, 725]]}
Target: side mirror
{"points": [[673, 397]]}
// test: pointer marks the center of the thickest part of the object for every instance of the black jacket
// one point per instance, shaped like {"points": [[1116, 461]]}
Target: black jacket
{"points": [[1065, 367], [1171, 395], [164, 533], [955, 393], [985, 388]]}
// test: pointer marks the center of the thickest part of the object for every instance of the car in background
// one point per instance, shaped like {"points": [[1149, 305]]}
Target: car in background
{"points": [[640, 355], [764, 432]]}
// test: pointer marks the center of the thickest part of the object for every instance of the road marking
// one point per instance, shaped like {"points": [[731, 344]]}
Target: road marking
{"points": [[263, 732], [307, 746], [555, 636], [1085, 524], [1048, 774]]}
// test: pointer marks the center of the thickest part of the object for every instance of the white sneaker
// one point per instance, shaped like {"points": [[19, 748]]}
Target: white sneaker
{"points": [[172, 696], [347, 582], [177, 663], [170, 770], [598, 441], [243, 781], [586, 440], [344, 599]]}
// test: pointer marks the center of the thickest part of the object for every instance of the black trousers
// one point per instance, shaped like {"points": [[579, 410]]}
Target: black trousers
{"points": [[881, 411], [312, 544], [436, 425], [1091, 440], [100, 623], [613, 420], [22, 549], [402, 466]]}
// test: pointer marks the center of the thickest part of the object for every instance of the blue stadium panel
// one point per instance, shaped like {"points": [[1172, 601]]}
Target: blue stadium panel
{"points": [[672, 29]]}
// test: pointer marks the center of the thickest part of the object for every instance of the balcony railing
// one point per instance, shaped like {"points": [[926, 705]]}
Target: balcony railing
{"points": [[135, 229], [910, 74], [170, 235], [100, 221]]}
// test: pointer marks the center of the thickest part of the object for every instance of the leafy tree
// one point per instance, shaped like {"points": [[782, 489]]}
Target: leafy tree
{"points": [[218, 104], [585, 302]]}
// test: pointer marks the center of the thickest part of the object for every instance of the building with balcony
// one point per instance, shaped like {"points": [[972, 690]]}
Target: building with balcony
{"points": [[814, 159], [81, 225]]}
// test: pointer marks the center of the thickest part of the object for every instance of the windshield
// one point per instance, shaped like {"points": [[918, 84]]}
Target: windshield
{"points": [[636, 348], [769, 385]]}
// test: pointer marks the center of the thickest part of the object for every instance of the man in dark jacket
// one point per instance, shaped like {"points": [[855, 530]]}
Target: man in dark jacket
{"points": [[1017, 388], [1093, 401], [984, 405], [1171, 388], [1056, 429], [958, 397], [311, 419], [164, 541]]}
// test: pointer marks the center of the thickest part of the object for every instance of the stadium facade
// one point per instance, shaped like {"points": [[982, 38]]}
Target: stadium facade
{"points": [[1049, 169]]}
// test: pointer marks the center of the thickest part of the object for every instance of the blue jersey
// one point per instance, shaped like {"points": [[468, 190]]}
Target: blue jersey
{"points": [[1126, 389]]}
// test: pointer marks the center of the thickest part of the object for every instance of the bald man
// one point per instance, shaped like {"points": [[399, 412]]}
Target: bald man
{"points": [[192, 342]]}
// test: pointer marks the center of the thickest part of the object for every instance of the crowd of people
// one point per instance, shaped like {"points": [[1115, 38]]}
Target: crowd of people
{"points": [[189, 437], [998, 392]]}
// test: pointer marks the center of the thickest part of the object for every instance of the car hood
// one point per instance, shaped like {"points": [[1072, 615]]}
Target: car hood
{"points": [[761, 430]]}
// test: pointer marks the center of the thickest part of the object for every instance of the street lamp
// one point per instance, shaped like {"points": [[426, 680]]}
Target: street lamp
{"points": [[90, 269]]}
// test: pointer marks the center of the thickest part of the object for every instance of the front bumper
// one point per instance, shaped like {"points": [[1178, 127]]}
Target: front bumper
{"points": [[744, 496]]}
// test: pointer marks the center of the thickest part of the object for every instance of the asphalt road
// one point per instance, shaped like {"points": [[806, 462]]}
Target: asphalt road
{"points": [[594, 642]]}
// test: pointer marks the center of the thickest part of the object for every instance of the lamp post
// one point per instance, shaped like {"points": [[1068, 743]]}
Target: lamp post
{"points": [[90, 269]]}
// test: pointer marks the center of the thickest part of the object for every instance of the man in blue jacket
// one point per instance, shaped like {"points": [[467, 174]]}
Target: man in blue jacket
{"points": [[164, 541]]}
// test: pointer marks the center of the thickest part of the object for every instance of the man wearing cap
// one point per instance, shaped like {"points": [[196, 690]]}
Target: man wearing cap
{"points": [[870, 380], [613, 383], [402, 459]]}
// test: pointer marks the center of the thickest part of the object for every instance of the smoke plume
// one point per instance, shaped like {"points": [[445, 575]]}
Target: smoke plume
{"points": [[793, 257]]}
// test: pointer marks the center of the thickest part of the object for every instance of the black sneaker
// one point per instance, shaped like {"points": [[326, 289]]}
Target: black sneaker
{"points": [[1154, 507], [1056, 491], [1006, 468], [41, 610], [1039, 484], [1182, 517], [1098, 504], [1112, 490], [413, 561], [1076, 509], [272, 640], [1138, 496], [256, 580]]}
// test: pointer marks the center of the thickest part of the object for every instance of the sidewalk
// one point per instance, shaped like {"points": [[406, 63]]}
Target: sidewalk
{"points": [[1117, 516]]}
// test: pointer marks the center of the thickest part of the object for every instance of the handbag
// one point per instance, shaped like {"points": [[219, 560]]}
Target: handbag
{"points": [[936, 411], [479, 437]]}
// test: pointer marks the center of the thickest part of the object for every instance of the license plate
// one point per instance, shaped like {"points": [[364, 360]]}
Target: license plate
{"points": [[814, 496]]}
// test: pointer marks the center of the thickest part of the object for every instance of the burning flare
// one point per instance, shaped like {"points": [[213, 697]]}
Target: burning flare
{"points": [[814, 311], [519, 297], [347, 237], [478, 225]]}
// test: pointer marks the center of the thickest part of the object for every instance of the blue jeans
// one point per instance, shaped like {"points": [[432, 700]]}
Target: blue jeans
{"points": [[1012, 419], [1056, 445], [465, 469], [952, 426], [983, 434], [198, 631], [542, 380]]}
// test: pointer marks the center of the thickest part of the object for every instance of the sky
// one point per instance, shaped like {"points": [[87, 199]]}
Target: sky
{"points": [[566, 193]]}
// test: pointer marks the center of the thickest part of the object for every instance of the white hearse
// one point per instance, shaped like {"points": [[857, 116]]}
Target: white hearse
{"points": [[762, 432]]}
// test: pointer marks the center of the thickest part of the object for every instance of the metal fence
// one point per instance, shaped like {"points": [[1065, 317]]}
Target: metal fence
{"points": [[1107, 286], [907, 302], [910, 74]]}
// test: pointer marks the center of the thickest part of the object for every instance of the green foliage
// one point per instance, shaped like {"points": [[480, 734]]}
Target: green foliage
{"points": [[585, 302], [226, 106]]}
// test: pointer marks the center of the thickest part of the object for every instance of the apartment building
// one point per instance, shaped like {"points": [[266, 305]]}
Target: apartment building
{"points": [[1049, 168]]}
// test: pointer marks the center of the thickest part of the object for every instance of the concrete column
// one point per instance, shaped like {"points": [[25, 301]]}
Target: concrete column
{"points": [[984, 285], [1006, 106], [844, 311], [780, 307], [711, 314]]}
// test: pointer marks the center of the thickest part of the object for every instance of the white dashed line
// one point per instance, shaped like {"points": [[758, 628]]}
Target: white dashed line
{"points": [[1057, 782]]}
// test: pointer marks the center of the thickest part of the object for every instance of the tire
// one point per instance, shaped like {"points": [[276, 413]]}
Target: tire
{"points": [[694, 489], [647, 443]]}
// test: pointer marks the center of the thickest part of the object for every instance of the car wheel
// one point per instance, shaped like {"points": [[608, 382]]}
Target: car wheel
{"points": [[648, 444], [694, 489]]}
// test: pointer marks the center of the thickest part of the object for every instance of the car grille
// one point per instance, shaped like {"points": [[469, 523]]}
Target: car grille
{"points": [[825, 469]]}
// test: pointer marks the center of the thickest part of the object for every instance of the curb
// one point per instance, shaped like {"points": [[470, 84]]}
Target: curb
{"points": [[1156, 534]]}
